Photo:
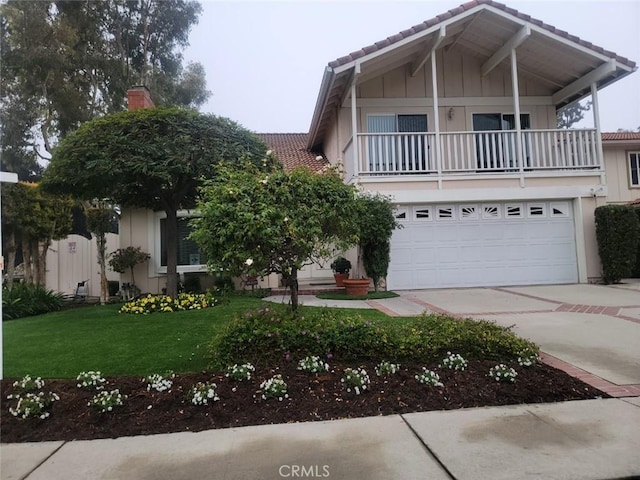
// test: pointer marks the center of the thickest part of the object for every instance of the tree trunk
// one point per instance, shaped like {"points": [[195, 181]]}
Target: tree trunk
{"points": [[172, 252], [11, 259], [293, 284], [101, 243], [27, 261], [41, 253]]}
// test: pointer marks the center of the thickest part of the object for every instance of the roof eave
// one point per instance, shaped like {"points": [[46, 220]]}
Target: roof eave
{"points": [[325, 87]]}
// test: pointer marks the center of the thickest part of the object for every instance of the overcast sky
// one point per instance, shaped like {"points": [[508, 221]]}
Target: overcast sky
{"points": [[264, 60]]}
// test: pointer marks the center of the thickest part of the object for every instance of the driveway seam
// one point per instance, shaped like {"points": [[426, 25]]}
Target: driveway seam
{"points": [[44, 460], [429, 451], [527, 295]]}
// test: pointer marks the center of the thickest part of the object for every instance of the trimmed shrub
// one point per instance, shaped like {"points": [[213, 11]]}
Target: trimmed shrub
{"points": [[274, 333], [617, 231], [25, 300]]}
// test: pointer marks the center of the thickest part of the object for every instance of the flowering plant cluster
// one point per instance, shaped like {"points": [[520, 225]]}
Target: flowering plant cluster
{"points": [[158, 382], [527, 359], [502, 373], [33, 404], [387, 368], [91, 379], [28, 384], [241, 372], [163, 303], [313, 365], [356, 379], [106, 401], [202, 392], [274, 387], [429, 377], [454, 361]]}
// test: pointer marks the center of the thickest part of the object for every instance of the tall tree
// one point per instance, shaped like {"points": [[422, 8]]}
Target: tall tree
{"points": [[150, 158], [65, 62], [260, 220], [572, 113]]}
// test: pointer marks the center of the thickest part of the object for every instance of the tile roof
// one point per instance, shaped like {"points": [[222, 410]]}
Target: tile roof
{"points": [[634, 202], [291, 150], [620, 136], [461, 9]]}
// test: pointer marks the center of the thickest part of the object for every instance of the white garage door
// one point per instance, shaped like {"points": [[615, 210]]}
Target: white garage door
{"points": [[467, 245]]}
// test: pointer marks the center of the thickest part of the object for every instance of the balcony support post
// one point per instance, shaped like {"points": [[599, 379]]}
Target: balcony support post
{"points": [[596, 124], [516, 114], [354, 122], [436, 118]]}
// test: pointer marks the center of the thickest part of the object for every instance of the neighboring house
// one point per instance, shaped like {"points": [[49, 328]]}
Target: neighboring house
{"points": [[455, 119]]}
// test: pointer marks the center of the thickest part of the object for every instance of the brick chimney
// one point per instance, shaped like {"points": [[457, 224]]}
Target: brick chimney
{"points": [[139, 97]]}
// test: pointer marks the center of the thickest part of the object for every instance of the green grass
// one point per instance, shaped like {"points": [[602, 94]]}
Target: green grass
{"points": [[368, 296], [62, 344]]}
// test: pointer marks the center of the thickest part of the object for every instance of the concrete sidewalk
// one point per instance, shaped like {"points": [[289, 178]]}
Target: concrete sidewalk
{"points": [[588, 439]]}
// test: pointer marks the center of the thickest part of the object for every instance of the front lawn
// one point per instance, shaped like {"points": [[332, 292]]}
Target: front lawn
{"points": [[62, 344]]}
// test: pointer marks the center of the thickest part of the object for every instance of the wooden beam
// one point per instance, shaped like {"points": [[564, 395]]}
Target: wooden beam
{"points": [[460, 35], [585, 81], [430, 49], [505, 50]]}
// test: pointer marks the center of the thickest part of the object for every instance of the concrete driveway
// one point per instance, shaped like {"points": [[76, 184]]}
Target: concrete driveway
{"points": [[591, 331]]}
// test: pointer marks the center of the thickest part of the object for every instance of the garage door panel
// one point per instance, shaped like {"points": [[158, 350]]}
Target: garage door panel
{"points": [[491, 251]]}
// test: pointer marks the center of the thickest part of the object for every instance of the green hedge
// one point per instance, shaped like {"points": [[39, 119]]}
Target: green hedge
{"points": [[618, 233], [273, 333]]}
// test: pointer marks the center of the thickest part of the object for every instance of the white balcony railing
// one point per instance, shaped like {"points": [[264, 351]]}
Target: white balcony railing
{"points": [[476, 152]]}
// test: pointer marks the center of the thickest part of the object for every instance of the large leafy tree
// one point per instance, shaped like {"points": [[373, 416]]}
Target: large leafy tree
{"points": [[150, 158], [261, 220], [32, 219], [65, 62]]}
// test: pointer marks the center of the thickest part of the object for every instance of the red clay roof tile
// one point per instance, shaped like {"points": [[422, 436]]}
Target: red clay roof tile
{"points": [[291, 150], [613, 136]]}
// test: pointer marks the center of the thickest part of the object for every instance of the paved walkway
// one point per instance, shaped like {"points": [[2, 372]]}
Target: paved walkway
{"points": [[586, 440], [591, 331]]}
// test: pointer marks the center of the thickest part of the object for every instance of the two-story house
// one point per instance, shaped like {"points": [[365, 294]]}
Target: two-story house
{"points": [[455, 119]]}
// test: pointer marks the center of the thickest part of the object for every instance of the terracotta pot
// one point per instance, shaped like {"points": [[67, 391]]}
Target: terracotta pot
{"points": [[340, 278], [357, 286]]}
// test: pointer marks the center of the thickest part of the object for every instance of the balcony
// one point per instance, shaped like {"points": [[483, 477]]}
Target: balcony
{"points": [[564, 152]]}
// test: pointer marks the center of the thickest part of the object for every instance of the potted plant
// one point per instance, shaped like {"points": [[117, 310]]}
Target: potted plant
{"points": [[341, 267], [357, 286]]}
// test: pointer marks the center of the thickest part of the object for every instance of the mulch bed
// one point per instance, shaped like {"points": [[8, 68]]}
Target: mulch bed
{"points": [[312, 397]]}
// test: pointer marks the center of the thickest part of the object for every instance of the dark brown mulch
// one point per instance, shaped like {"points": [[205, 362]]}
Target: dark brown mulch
{"points": [[311, 397]]}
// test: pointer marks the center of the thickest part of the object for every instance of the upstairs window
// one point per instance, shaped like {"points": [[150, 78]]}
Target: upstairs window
{"points": [[634, 169]]}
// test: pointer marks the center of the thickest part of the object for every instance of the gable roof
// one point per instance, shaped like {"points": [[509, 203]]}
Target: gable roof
{"points": [[546, 54], [291, 150]]}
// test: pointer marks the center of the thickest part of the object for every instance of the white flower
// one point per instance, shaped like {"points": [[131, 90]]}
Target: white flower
{"points": [[269, 152], [319, 157], [248, 262]]}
